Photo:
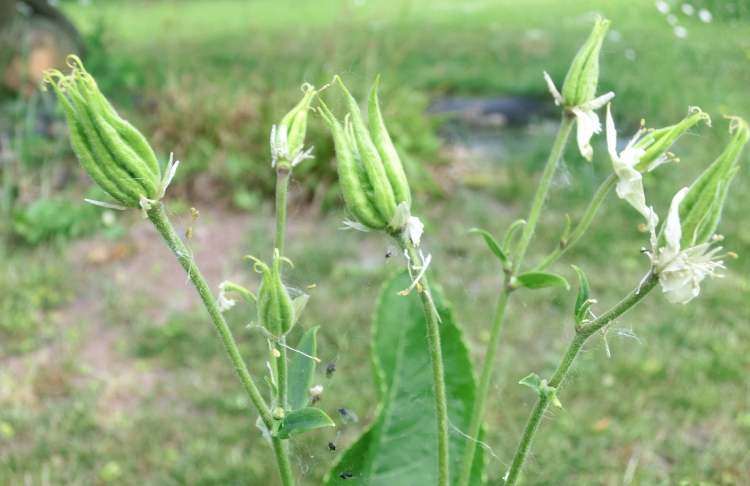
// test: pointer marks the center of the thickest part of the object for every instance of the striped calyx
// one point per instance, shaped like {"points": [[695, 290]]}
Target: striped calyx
{"points": [[702, 206], [371, 175], [113, 152]]}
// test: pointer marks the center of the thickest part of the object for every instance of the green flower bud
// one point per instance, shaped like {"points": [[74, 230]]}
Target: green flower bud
{"points": [[112, 151], [382, 191], [393, 166], [355, 187], [701, 209], [288, 139], [580, 83], [657, 142], [275, 306], [371, 175]]}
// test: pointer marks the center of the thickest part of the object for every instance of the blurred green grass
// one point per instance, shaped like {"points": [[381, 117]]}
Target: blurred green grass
{"points": [[207, 79]]}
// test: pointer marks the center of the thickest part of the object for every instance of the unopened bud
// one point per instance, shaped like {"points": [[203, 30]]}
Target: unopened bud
{"points": [[275, 306], [288, 138], [113, 152], [701, 209], [372, 178], [657, 142], [581, 81]]}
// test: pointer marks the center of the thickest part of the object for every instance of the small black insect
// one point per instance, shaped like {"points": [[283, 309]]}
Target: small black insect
{"points": [[314, 399], [388, 253], [347, 415], [331, 446], [346, 475], [330, 369]]}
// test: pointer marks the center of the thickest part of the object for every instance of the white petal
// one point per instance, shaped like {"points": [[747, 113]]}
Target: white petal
{"points": [[673, 230], [588, 125], [611, 135], [597, 103], [553, 89], [414, 229]]}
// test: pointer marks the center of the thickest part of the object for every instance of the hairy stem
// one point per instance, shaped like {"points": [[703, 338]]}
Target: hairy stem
{"points": [[160, 220], [566, 125], [582, 334], [477, 414], [583, 224], [282, 188], [432, 319]]}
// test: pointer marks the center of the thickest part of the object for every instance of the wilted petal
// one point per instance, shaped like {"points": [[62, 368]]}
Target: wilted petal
{"points": [[673, 230], [553, 89], [588, 125]]}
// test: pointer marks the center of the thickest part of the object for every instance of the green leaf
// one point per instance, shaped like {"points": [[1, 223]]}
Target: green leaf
{"points": [[298, 421], [301, 370], [491, 243], [399, 448], [299, 304], [533, 381], [511, 232], [540, 280], [583, 302]]}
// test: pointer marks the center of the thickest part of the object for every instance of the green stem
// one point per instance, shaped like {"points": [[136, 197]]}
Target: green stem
{"points": [[566, 125], [432, 318], [283, 173], [477, 413], [282, 188], [160, 220], [582, 334], [583, 224]]}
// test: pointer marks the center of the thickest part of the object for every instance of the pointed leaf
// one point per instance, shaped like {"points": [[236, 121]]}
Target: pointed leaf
{"points": [[491, 243], [301, 370], [511, 232], [399, 447], [299, 421], [533, 381], [583, 302], [299, 304], [540, 280]]}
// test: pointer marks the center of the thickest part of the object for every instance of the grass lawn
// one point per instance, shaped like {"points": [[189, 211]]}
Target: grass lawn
{"points": [[111, 374]]}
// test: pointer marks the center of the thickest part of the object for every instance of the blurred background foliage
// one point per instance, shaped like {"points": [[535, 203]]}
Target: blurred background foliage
{"points": [[109, 374]]}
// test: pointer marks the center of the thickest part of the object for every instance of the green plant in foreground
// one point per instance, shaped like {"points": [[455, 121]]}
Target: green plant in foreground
{"points": [[410, 442]]}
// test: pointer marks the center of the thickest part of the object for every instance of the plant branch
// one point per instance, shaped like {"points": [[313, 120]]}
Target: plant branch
{"points": [[432, 318], [582, 334], [566, 125], [283, 173], [160, 220], [583, 224], [477, 415]]}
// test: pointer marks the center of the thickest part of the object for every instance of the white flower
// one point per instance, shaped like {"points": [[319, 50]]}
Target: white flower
{"points": [[280, 148], [224, 302], [681, 271], [705, 16], [662, 6], [630, 182], [587, 121]]}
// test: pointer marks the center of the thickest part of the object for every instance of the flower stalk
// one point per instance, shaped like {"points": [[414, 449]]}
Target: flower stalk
{"points": [[583, 333], [158, 217], [498, 319]]}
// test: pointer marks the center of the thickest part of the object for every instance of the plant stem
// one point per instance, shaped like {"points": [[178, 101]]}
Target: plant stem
{"points": [[477, 414], [282, 188], [582, 334], [583, 224], [566, 125], [432, 318], [160, 220]]}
